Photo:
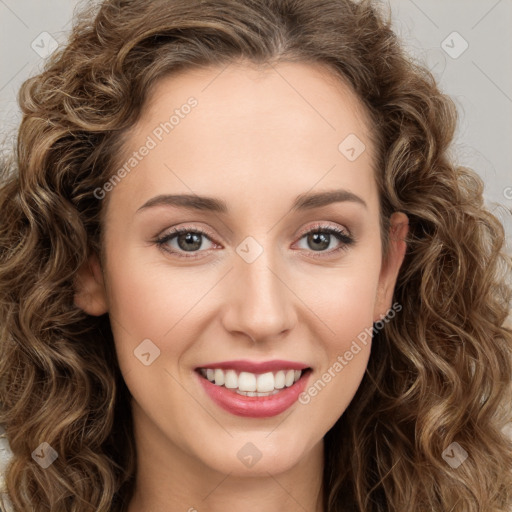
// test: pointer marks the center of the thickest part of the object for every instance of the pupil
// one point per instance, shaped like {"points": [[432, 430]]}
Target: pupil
{"points": [[189, 238], [321, 238]]}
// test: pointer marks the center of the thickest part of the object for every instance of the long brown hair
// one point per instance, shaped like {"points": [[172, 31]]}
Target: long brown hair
{"points": [[439, 373]]}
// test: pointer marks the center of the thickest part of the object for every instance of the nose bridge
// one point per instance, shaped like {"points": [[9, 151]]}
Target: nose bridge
{"points": [[260, 303]]}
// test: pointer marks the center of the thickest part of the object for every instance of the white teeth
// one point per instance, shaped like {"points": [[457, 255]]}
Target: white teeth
{"points": [[264, 382], [279, 379], [247, 381], [231, 379], [219, 377], [251, 384]]}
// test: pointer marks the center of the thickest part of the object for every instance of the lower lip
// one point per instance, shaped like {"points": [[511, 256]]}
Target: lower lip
{"points": [[254, 406]]}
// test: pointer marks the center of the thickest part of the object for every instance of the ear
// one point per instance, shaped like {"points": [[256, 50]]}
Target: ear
{"points": [[399, 227], [90, 288]]}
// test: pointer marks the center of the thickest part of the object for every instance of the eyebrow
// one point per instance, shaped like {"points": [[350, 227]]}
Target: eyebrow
{"points": [[305, 201]]}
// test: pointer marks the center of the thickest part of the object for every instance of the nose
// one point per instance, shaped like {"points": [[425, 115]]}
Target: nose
{"points": [[259, 301]]}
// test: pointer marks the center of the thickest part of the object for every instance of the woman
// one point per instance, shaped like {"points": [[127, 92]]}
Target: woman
{"points": [[334, 338]]}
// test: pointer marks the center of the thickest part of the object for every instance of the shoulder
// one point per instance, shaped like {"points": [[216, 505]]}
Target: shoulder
{"points": [[5, 457]]}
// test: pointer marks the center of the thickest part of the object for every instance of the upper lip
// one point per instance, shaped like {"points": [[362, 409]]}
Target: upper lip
{"points": [[245, 365]]}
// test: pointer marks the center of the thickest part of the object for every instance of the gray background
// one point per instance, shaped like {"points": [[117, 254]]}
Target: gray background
{"points": [[479, 79]]}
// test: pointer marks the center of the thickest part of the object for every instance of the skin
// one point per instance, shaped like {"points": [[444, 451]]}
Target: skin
{"points": [[258, 138]]}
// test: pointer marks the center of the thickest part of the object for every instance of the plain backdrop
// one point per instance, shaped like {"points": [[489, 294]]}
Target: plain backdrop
{"points": [[466, 43]]}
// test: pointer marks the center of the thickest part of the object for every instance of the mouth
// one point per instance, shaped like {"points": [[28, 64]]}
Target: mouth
{"points": [[253, 384], [268, 391]]}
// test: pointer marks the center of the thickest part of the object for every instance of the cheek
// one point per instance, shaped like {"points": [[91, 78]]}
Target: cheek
{"points": [[345, 349], [354, 304], [333, 387], [351, 319], [345, 313], [147, 302], [342, 299]]}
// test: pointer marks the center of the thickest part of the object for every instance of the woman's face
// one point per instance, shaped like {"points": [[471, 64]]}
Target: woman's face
{"points": [[247, 160]]}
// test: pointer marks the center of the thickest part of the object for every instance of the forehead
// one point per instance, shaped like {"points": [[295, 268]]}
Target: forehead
{"points": [[253, 127], [303, 95]]}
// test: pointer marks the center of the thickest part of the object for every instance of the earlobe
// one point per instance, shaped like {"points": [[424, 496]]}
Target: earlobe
{"points": [[90, 293], [399, 227]]}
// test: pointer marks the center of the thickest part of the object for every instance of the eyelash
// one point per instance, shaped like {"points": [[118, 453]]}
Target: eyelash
{"points": [[341, 236]]}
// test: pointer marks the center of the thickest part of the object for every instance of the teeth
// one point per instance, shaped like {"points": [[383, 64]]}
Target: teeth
{"points": [[290, 374], [247, 382], [279, 379], [264, 382], [219, 377], [230, 379], [251, 384]]}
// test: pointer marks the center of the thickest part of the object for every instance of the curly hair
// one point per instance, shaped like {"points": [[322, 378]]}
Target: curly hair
{"points": [[441, 370]]}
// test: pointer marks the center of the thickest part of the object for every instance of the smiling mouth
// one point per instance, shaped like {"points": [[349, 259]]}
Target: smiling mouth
{"points": [[253, 384]]}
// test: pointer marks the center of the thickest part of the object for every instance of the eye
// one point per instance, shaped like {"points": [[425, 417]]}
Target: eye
{"points": [[187, 240], [190, 240], [320, 237]]}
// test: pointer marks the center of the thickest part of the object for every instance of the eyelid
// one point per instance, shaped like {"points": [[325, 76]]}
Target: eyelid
{"points": [[319, 225]]}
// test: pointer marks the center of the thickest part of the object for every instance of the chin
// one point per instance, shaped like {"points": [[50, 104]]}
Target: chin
{"points": [[255, 454]]}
